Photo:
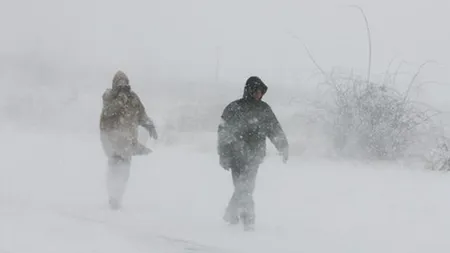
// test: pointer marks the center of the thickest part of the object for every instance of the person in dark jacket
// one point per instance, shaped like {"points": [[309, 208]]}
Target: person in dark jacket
{"points": [[245, 125]]}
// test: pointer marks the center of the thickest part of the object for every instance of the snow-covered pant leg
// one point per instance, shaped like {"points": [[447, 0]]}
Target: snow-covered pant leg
{"points": [[231, 212], [117, 177], [244, 185]]}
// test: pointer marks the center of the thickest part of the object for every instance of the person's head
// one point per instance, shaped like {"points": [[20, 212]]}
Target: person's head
{"points": [[254, 88], [121, 81]]}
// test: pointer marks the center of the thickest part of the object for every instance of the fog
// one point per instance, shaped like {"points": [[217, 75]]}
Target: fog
{"points": [[57, 57], [182, 41], [187, 60]]}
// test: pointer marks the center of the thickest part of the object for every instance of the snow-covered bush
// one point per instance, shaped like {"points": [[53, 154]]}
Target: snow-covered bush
{"points": [[372, 120], [439, 158]]}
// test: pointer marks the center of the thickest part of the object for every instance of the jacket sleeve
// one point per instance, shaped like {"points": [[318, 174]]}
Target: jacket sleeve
{"points": [[111, 104], [275, 132], [225, 132], [144, 120]]}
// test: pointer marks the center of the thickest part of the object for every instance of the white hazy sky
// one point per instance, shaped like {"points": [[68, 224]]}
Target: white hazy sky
{"points": [[182, 39]]}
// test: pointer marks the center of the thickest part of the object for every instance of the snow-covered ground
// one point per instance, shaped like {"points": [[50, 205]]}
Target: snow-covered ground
{"points": [[52, 199], [186, 62]]}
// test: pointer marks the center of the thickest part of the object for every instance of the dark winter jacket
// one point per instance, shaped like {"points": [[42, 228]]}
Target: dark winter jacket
{"points": [[245, 125]]}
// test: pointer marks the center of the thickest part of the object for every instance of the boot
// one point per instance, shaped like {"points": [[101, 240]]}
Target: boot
{"points": [[248, 221], [114, 204]]}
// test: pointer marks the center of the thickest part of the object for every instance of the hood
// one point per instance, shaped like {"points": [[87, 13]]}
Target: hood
{"points": [[120, 75], [254, 83]]}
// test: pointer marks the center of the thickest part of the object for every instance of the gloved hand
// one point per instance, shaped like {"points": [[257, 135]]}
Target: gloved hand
{"points": [[152, 132], [285, 155], [123, 86], [121, 98], [225, 163]]}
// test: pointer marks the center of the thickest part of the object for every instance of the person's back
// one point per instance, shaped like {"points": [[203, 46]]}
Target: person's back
{"points": [[245, 125], [251, 122]]}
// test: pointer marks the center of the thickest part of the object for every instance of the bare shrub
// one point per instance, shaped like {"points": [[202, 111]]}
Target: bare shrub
{"points": [[369, 119], [438, 158]]}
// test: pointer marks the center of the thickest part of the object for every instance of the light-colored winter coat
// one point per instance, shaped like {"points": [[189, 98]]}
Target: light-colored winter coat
{"points": [[122, 114]]}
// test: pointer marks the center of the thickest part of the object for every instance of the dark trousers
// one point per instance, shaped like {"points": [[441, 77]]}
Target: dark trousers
{"points": [[241, 204]]}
